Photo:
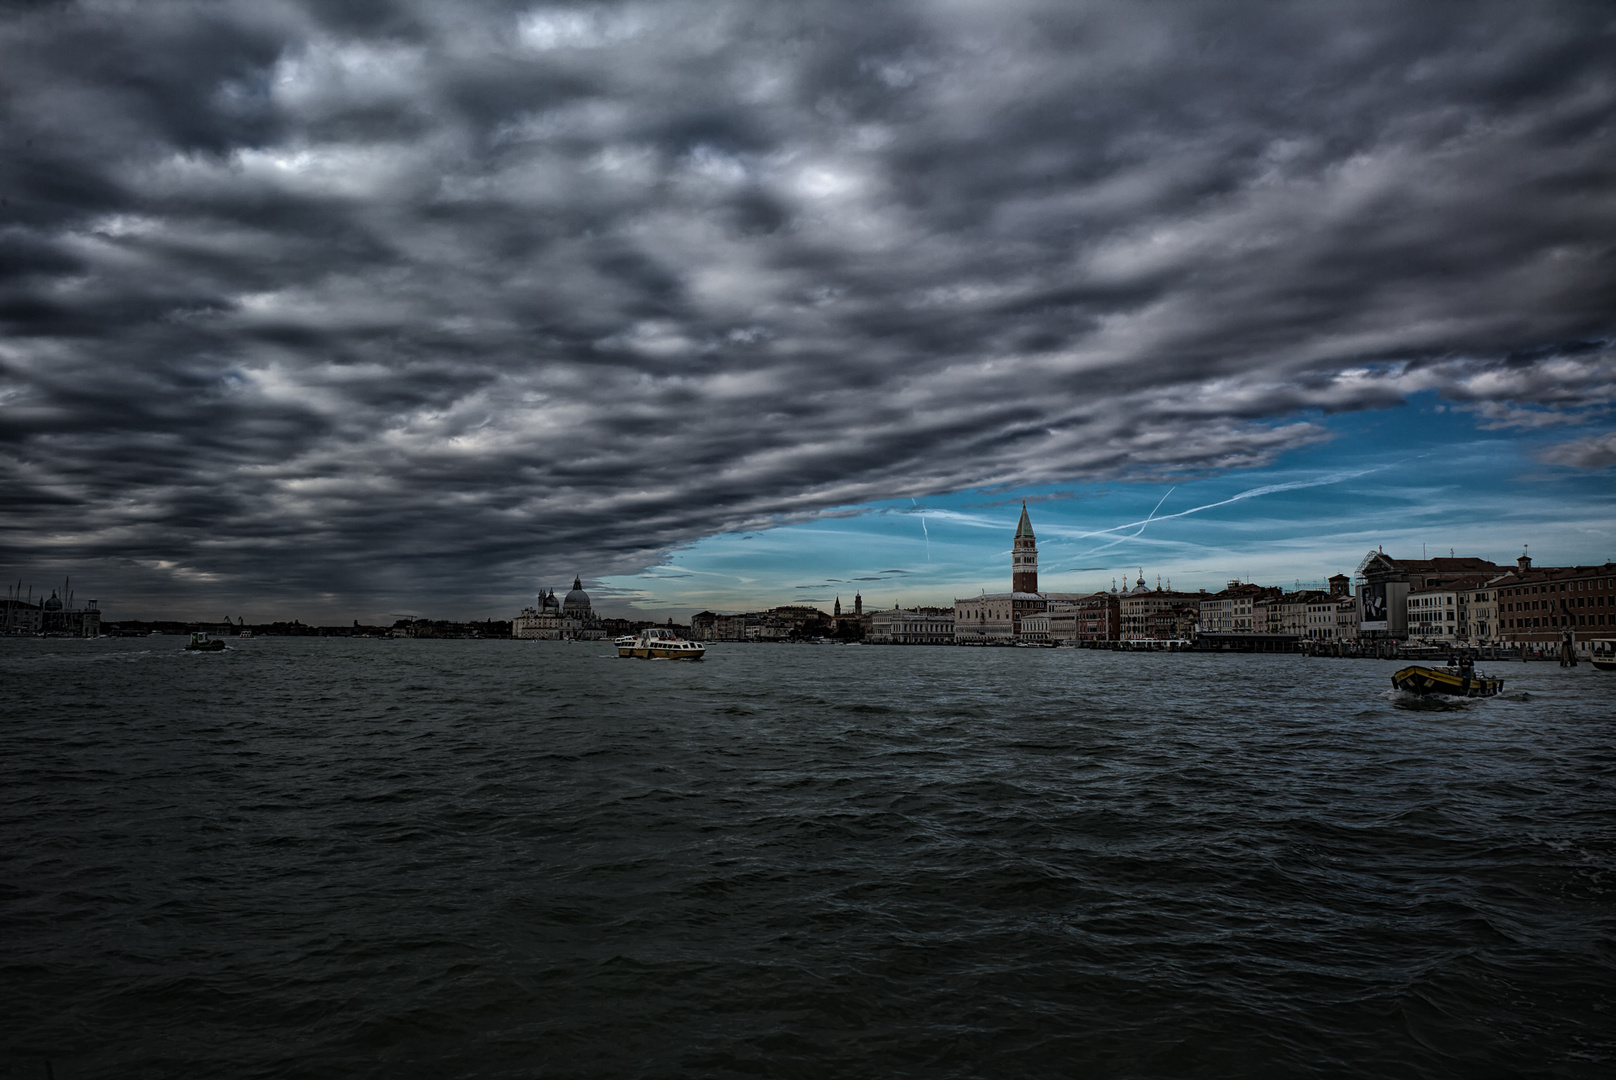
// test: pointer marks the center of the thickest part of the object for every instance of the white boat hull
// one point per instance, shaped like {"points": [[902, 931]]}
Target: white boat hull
{"points": [[684, 650]]}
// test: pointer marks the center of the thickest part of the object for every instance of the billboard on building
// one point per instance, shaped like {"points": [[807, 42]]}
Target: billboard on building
{"points": [[1372, 606]]}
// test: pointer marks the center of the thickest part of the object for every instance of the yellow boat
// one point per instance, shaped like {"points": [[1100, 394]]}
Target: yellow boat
{"points": [[1461, 680], [660, 644]]}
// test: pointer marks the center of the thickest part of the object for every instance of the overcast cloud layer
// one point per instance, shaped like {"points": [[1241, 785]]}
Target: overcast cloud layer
{"points": [[449, 300]]}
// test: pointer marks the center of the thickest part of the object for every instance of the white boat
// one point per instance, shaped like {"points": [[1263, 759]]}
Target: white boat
{"points": [[203, 643], [1602, 653], [625, 640], [660, 644]]}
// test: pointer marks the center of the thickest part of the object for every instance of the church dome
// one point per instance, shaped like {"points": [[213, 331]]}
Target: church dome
{"points": [[577, 599], [53, 604]]}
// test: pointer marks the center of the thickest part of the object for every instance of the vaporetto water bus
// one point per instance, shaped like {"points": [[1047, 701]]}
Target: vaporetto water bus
{"points": [[660, 644]]}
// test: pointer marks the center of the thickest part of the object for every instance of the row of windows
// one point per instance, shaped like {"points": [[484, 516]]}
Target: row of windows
{"points": [[1548, 605], [1597, 619], [1596, 585]]}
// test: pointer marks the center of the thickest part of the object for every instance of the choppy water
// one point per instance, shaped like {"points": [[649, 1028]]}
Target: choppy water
{"points": [[317, 858]]}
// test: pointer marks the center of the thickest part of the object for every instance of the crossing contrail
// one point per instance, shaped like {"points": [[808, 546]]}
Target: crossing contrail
{"points": [[1148, 519], [1249, 493]]}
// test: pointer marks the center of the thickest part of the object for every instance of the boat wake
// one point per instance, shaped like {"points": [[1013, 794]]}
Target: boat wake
{"points": [[1401, 699]]}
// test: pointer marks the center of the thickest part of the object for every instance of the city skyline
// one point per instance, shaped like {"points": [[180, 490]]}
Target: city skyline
{"points": [[337, 313], [1477, 495]]}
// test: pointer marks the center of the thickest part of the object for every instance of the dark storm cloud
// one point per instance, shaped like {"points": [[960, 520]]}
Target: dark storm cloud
{"points": [[450, 300], [1593, 452]]}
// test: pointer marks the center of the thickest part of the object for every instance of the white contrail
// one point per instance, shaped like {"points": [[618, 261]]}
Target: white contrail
{"points": [[1249, 493], [923, 531], [1148, 519]]}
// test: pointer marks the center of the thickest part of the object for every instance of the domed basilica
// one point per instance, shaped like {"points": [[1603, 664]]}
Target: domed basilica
{"points": [[555, 620]]}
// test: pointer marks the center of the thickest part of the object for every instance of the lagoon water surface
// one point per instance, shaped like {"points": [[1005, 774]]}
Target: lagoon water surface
{"points": [[329, 857]]}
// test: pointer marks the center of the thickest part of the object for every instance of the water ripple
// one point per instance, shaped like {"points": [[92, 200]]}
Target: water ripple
{"points": [[398, 858]]}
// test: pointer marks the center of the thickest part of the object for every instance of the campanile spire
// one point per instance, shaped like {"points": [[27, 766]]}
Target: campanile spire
{"points": [[1024, 556]]}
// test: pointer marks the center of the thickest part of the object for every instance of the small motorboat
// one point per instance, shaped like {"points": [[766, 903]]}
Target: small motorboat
{"points": [[660, 644], [1455, 680], [1602, 653], [204, 643]]}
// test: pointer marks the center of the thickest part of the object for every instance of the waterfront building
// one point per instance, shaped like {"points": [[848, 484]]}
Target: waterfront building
{"points": [[20, 616], [1099, 618], [723, 626], [1035, 627], [1307, 614], [1175, 623], [705, 626], [1462, 612], [1318, 618], [912, 626], [1137, 608], [775, 624], [1341, 620], [1061, 621], [797, 614], [735, 627], [766, 627], [1268, 613], [540, 622], [1539, 605], [1346, 617], [1080, 619], [1433, 615], [1478, 608], [1294, 613], [1386, 583], [1234, 610], [989, 619]]}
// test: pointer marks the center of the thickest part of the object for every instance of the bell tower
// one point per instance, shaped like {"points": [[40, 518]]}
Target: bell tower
{"points": [[1024, 556]]}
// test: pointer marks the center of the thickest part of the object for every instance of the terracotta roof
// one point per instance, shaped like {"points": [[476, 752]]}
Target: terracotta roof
{"points": [[1533, 575]]}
